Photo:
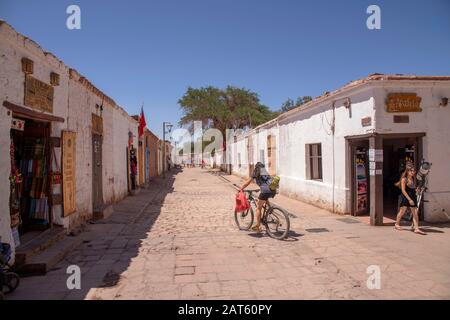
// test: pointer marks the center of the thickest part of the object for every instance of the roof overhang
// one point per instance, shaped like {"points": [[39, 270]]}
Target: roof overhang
{"points": [[30, 114]]}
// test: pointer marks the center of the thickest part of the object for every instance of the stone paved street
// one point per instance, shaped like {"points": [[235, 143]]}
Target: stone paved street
{"points": [[178, 240]]}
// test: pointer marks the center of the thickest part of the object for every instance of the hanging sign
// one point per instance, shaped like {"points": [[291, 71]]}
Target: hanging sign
{"points": [[403, 102], [38, 94], [97, 124], [68, 171], [17, 124]]}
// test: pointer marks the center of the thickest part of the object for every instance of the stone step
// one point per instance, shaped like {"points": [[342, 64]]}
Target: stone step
{"points": [[38, 244], [43, 262]]}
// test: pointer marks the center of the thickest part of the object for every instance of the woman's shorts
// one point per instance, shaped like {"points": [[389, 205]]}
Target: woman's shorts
{"points": [[266, 195]]}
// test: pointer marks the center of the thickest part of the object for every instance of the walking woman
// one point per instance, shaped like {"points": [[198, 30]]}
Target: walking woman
{"points": [[408, 197]]}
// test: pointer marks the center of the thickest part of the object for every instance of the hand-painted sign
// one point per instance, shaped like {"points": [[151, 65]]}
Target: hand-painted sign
{"points": [[403, 102], [38, 94], [68, 168]]}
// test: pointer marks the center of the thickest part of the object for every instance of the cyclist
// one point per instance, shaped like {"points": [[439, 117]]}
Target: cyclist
{"points": [[262, 179]]}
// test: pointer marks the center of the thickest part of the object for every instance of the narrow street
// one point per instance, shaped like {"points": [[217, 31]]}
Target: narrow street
{"points": [[178, 240]]}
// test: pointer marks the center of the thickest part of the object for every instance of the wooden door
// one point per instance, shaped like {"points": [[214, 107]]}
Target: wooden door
{"points": [[97, 165]]}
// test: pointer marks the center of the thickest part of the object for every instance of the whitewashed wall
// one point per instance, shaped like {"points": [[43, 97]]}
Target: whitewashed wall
{"points": [[240, 148], [434, 120], [74, 102], [122, 124], [13, 47], [314, 126]]}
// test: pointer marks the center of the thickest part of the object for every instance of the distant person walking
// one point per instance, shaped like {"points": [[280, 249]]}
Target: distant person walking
{"points": [[408, 198]]}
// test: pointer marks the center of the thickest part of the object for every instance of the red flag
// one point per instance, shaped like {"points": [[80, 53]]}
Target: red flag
{"points": [[142, 123]]}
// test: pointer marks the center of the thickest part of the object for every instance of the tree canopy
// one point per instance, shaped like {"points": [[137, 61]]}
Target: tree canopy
{"points": [[229, 108], [289, 104]]}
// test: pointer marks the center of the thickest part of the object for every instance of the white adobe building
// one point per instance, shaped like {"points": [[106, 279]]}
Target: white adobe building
{"points": [[64, 113], [343, 151]]}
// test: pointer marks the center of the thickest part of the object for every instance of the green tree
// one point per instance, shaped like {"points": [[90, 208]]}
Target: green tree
{"points": [[229, 108], [289, 104]]}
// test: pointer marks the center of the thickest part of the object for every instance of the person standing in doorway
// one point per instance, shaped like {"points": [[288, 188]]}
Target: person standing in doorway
{"points": [[408, 197]]}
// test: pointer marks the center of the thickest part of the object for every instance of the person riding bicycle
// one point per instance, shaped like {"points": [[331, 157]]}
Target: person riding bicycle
{"points": [[262, 179]]}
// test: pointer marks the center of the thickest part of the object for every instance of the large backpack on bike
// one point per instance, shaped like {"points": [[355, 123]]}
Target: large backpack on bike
{"points": [[270, 183], [274, 183]]}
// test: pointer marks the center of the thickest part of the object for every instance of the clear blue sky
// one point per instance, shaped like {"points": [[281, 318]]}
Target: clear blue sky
{"points": [[153, 50]]}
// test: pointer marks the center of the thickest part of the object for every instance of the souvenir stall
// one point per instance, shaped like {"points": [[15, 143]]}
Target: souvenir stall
{"points": [[30, 177]]}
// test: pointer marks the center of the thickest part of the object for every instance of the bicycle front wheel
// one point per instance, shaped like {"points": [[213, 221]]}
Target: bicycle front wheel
{"points": [[277, 223], [244, 220]]}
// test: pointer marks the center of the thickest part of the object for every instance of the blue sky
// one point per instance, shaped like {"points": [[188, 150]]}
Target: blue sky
{"points": [[153, 50]]}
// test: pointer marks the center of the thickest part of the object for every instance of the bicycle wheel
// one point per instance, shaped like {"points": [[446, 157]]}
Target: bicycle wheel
{"points": [[277, 223], [244, 220]]}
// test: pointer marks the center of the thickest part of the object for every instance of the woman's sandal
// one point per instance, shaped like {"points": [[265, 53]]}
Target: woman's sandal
{"points": [[397, 227], [418, 231], [256, 228]]}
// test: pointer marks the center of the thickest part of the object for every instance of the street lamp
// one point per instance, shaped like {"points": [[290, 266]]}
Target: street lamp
{"points": [[169, 126]]}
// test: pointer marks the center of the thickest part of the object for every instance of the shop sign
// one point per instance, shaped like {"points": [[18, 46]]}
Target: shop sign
{"points": [[68, 171], [38, 94], [366, 122], [403, 102], [17, 124]]}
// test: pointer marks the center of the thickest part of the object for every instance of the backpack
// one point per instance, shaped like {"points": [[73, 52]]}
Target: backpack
{"points": [[271, 182], [274, 183]]}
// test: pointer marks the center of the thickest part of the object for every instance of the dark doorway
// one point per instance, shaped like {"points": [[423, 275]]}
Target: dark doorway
{"points": [[30, 194], [396, 153], [97, 181]]}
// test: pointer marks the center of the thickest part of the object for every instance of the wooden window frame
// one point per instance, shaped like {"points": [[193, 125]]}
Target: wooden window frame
{"points": [[311, 159]]}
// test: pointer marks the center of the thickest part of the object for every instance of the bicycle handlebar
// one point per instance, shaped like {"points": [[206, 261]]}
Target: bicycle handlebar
{"points": [[246, 190]]}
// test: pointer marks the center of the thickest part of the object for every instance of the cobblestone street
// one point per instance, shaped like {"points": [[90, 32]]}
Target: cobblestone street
{"points": [[178, 240]]}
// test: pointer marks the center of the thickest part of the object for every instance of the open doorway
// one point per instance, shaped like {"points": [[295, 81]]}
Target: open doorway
{"points": [[396, 153], [31, 186]]}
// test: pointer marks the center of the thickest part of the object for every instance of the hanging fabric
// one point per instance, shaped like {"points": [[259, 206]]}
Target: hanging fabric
{"points": [[55, 176]]}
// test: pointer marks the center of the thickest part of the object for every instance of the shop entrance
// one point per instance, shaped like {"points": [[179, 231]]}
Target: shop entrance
{"points": [[30, 180], [396, 153], [390, 162]]}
